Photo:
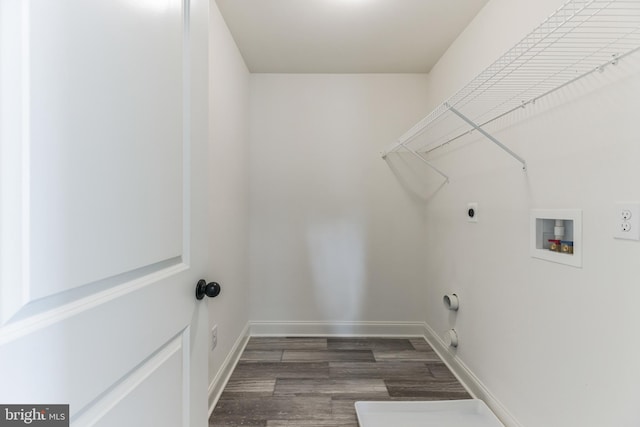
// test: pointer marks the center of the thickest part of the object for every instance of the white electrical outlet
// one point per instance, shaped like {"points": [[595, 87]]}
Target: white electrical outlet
{"points": [[214, 337], [627, 221], [472, 212]]}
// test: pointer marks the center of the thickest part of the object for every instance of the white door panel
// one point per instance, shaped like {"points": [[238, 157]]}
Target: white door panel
{"points": [[87, 346], [103, 135], [106, 94], [137, 400]]}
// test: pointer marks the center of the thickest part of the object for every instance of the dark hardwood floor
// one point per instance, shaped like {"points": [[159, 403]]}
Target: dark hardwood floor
{"points": [[314, 382]]}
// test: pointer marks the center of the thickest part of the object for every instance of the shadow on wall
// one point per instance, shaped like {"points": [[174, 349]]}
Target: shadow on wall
{"points": [[421, 183], [337, 257]]}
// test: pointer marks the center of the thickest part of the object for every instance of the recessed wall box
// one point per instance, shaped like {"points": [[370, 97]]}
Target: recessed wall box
{"points": [[555, 229]]}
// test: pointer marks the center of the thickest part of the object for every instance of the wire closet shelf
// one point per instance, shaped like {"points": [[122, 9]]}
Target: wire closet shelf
{"points": [[582, 37]]}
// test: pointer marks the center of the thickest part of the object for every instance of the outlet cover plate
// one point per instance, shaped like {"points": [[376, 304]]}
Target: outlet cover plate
{"points": [[626, 220], [214, 337]]}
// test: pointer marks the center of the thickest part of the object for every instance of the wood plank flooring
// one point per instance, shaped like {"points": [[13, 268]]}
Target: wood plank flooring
{"points": [[314, 382]]}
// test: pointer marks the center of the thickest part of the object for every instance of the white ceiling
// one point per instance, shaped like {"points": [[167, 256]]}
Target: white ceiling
{"points": [[345, 36]]}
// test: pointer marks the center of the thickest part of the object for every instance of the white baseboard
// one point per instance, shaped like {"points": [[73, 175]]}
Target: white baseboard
{"points": [[225, 371], [347, 329], [472, 383]]}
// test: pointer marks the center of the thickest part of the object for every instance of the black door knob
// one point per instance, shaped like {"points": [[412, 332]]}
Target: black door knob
{"points": [[209, 289]]}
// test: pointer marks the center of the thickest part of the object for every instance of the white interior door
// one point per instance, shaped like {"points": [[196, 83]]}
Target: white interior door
{"points": [[103, 133]]}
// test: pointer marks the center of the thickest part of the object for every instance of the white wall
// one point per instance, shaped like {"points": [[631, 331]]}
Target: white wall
{"points": [[338, 234], [557, 345], [229, 184], [334, 236]]}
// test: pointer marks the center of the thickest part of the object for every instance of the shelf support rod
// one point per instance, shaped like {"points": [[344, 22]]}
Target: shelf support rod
{"points": [[489, 136], [425, 161]]}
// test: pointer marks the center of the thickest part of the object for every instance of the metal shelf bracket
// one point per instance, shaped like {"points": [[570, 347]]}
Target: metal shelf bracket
{"points": [[426, 162], [488, 136], [421, 158]]}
